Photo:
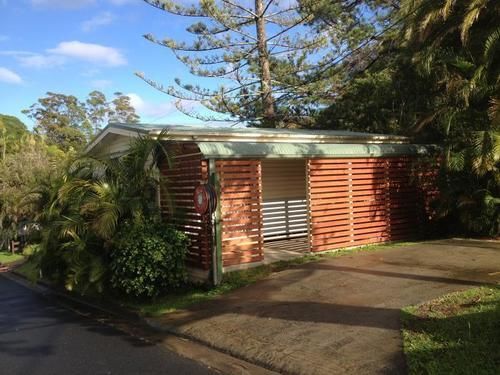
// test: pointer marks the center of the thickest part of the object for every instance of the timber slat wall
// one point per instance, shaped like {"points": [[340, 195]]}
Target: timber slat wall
{"points": [[187, 172], [284, 218], [360, 201], [241, 214]]}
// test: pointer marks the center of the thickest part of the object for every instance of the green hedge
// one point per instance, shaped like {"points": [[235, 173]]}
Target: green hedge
{"points": [[148, 259]]}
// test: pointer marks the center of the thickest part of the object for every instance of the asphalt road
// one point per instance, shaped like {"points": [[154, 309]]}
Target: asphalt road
{"points": [[39, 337]]}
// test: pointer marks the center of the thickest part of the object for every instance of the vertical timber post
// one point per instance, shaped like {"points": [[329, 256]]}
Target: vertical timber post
{"points": [[308, 205], [216, 226]]}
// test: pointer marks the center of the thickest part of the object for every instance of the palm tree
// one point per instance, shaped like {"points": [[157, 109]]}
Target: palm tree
{"points": [[82, 209], [455, 43]]}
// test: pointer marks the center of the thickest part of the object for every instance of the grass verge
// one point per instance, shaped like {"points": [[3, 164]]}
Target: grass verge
{"points": [[7, 257], [237, 279], [28, 269], [456, 334]]}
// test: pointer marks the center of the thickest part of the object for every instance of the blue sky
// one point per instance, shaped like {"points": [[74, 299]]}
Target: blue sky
{"points": [[76, 46]]}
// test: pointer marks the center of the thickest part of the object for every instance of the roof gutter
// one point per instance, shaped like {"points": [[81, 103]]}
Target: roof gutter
{"points": [[186, 136]]}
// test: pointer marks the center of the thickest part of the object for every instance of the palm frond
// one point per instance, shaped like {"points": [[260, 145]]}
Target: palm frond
{"points": [[471, 16], [491, 45]]}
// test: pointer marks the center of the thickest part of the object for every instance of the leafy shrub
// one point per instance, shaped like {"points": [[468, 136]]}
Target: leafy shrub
{"points": [[148, 259], [31, 249], [470, 204]]}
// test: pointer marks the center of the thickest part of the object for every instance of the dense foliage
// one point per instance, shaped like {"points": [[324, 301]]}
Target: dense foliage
{"points": [[75, 206], [148, 259], [437, 80], [82, 208], [12, 130], [68, 123], [25, 161]]}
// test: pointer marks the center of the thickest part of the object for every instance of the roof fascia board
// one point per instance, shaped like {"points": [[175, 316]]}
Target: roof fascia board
{"points": [[279, 138], [110, 129], [219, 150]]}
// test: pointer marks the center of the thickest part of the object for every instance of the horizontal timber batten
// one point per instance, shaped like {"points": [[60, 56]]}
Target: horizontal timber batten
{"points": [[241, 215], [361, 201], [186, 171], [350, 202]]}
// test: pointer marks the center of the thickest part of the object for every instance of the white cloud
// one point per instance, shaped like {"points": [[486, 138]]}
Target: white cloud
{"points": [[101, 84], [101, 19], [8, 76], [149, 109], [35, 60], [67, 4], [41, 61], [94, 53]]}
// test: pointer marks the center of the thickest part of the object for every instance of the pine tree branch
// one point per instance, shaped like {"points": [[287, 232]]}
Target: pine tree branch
{"points": [[169, 43], [280, 12], [234, 28], [173, 8], [266, 7], [246, 10], [288, 28]]}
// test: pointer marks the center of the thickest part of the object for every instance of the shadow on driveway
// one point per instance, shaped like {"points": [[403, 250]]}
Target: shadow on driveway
{"points": [[340, 315]]}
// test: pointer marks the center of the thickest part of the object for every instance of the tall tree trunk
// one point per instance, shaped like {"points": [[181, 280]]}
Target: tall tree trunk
{"points": [[265, 71]]}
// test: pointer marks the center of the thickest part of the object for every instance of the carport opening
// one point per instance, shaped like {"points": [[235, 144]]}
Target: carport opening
{"points": [[284, 210]]}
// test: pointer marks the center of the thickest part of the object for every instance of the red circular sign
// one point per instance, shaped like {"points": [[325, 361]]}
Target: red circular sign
{"points": [[205, 199], [201, 199]]}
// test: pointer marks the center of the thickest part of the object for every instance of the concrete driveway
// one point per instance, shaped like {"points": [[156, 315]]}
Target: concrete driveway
{"points": [[340, 315]]}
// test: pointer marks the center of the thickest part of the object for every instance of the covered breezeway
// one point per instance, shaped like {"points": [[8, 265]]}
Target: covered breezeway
{"points": [[285, 219]]}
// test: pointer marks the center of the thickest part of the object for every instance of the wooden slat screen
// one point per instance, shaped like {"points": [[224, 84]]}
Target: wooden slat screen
{"points": [[284, 204], [187, 172], [284, 218], [241, 215], [360, 201]]}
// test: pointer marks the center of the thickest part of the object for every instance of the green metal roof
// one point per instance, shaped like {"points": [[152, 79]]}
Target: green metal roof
{"points": [[222, 150], [261, 143], [228, 130]]}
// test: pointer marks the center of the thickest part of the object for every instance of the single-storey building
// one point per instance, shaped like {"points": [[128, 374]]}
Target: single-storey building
{"points": [[280, 191]]}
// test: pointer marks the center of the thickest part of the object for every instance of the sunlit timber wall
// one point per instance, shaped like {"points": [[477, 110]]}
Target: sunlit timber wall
{"points": [[241, 211], [185, 172], [359, 201], [350, 202]]}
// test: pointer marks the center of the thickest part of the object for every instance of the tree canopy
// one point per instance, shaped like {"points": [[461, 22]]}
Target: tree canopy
{"points": [[12, 130], [274, 59], [68, 122]]}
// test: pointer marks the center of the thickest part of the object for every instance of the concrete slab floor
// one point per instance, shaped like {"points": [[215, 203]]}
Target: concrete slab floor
{"points": [[288, 249], [340, 315]]}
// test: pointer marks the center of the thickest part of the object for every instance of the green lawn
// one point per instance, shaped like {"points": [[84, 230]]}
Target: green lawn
{"points": [[455, 334], [8, 257], [237, 279], [29, 270]]}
